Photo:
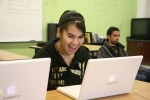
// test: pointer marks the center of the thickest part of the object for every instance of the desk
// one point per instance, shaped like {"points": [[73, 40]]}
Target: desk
{"points": [[139, 91], [92, 48], [5, 55]]}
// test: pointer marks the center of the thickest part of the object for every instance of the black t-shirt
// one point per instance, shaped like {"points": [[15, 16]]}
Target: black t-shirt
{"points": [[60, 73]]}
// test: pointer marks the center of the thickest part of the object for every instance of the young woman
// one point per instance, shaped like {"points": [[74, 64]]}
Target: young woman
{"points": [[68, 56]]}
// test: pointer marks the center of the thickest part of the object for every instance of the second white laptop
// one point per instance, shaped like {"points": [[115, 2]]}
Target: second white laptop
{"points": [[24, 79], [105, 77]]}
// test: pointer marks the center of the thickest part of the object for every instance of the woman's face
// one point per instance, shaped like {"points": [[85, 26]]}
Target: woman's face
{"points": [[70, 40]]}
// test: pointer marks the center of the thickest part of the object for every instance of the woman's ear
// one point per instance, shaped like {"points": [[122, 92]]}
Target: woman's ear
{"points": [[58, 33]]}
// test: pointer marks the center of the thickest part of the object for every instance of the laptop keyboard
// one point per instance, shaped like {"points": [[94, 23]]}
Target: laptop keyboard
{"points": [[75, 90], [72, 91]]}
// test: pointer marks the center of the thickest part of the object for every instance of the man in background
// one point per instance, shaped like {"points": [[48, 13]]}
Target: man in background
{"points": [[112, 48]]}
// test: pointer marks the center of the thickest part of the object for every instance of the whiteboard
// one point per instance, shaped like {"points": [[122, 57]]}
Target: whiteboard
{"points": [[20, 20]]}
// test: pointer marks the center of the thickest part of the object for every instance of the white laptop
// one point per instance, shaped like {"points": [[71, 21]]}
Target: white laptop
{"points": [[24, 79], [105, 77]]}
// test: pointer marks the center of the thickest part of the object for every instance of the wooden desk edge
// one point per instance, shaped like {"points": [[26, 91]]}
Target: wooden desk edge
{"points": [[35, 47], [86, 45]]}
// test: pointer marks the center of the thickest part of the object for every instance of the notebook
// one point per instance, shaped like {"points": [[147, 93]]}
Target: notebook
{"points": [[105, 77], [24, 79]]}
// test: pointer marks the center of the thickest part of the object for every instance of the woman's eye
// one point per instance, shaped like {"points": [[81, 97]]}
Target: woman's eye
{"points": [[70, 36], [81, 37]]}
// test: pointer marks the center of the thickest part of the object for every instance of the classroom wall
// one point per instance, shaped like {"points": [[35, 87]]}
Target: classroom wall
{"points": [[99, 16]]}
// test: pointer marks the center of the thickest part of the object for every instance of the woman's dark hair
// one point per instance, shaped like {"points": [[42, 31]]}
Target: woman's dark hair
{"points": [[71, 17], [111, 30]]}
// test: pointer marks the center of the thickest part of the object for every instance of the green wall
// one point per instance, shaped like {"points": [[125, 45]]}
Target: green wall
{"points": [[99, 16]]}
